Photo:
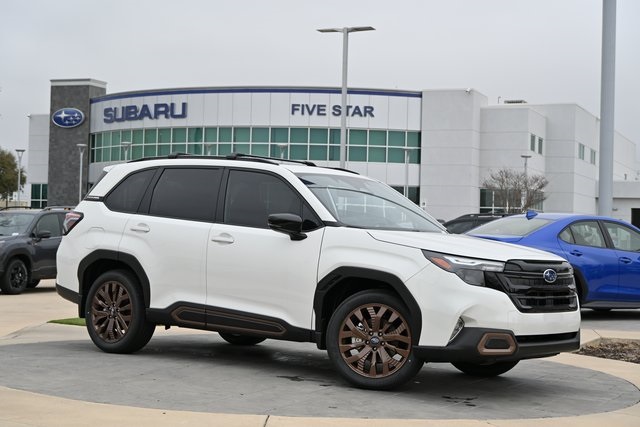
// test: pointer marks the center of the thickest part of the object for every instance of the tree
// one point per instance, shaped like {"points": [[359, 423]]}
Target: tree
{"points": [[9, 174], [514, 193]]}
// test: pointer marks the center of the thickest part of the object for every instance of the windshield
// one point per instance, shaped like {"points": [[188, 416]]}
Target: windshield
{"points": [[511, 226], [364, 203], [14, 223]]}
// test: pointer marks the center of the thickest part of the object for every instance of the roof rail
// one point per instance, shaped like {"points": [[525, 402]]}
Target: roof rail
{"points": [[241, 156], [58, 208], [276, 160]]}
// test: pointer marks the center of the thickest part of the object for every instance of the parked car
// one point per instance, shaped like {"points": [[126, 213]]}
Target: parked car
{"points": [[464, 223], [256, 248], [604, 252], [29, 240]]}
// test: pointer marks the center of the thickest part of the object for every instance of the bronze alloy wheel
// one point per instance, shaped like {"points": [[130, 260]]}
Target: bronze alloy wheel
{"points": [[111, 311], [375, 340]]}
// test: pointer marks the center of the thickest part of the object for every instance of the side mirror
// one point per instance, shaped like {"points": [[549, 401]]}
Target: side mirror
{"points": [[288, 224], [44, 234]]}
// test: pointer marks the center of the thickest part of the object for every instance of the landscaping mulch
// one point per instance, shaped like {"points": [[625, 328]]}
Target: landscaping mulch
{"points": [[627, 351]]}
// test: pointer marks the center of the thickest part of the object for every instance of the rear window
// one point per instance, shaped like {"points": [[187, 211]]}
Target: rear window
{"points": [[511, 226]]}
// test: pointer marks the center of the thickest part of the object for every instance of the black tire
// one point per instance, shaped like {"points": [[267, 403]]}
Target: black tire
{"points": [[488, 370], [115, 313], [32, 284], [15, 278], [238, 339], [362, 347]]}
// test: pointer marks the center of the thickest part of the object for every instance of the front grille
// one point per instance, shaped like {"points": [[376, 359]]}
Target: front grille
{"points": [[524, 283]]}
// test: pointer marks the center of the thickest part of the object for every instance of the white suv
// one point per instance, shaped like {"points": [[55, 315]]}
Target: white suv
{"points": [[257, 248]]}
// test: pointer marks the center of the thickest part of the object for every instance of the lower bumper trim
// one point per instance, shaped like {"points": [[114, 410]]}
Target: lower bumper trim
{"points": [[471, 346]]}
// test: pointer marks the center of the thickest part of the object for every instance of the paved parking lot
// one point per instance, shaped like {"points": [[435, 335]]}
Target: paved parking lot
{"points": [[197, 371]]}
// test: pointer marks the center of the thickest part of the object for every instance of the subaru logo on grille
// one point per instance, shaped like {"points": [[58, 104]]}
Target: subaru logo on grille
{"points": [[68, 117], [550, 275]]}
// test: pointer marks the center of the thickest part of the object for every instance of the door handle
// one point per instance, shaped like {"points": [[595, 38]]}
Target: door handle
{"points": [[141, 228], [626, 260], [223, 238], [576, 252]]}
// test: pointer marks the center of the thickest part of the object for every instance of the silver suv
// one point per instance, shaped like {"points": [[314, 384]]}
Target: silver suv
{"points": [[255, 248]]}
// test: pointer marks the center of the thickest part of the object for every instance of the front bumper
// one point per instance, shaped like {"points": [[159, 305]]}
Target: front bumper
{"points": [[481, 345]]}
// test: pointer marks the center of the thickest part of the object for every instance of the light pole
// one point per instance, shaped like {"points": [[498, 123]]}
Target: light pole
{"points": [[406, 172], [282, 148], [525, 195], [126, 145], [343, 101], [20, 152], [81, 148]]}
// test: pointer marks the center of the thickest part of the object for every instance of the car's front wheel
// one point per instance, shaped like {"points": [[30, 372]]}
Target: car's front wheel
{"points": [[15, 278], [369, 341], [115, 313], [238, 339], [485, 370]]}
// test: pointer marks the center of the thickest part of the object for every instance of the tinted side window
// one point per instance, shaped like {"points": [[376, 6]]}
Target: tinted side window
{"points": [[50, 223], [127, 195], [252, 196], [186, 193]]}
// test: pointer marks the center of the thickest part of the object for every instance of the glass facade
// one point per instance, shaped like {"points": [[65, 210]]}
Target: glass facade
{"points": [[295, 143], [39, 196]]}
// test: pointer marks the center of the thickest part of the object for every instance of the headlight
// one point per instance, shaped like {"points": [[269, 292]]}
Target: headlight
{"points": [[471, 270]]}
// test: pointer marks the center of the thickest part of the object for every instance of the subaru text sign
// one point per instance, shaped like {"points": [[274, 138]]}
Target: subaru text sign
{"points": [[128, 113], [67, 117]]}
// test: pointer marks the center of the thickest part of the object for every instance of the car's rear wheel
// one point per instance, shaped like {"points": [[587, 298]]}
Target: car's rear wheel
{"points": [[369, 341], [485, 370], [15, 278], [238, 339], [115, 313]]}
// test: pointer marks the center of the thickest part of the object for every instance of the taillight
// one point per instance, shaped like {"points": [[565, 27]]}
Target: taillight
{"points": [[71, 219]]}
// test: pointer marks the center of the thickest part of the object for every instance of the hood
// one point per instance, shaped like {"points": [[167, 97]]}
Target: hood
{"points": [[466, 246]]}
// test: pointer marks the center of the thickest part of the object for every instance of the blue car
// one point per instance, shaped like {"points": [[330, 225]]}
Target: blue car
{"points": [[604, 252]]}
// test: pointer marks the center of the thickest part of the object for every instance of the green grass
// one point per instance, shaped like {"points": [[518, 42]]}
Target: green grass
{"points": [[75, 321]]}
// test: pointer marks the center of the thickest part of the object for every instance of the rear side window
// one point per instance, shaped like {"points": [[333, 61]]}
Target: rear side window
{"points": [[186, 193], [127, 195], [584, 233]]}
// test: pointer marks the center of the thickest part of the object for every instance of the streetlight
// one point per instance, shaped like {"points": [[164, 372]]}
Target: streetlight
{"points": [[81, 148], [283, 148], [20, 152], [343, 102], [126, 145], [406, 171], [525, 196]]}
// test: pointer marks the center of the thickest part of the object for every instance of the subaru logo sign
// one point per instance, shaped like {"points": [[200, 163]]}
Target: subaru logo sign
{"points": [[550, 276], [68, 117]]}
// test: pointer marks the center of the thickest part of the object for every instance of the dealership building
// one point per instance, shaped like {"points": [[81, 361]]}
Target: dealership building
{"points": [[438, 146]]}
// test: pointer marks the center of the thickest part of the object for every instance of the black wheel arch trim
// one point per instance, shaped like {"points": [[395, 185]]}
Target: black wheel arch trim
{"points": [[119, 257], [329, 283]]}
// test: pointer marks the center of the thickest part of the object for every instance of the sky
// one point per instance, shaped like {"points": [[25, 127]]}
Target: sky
{"points": [[542, 51]]}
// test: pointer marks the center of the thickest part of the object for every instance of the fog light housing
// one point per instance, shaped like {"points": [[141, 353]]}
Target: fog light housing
{"points": [[457, 329]]}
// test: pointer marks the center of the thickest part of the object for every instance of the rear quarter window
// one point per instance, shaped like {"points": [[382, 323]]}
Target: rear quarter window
{"points": [[127, 195]]}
